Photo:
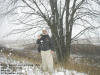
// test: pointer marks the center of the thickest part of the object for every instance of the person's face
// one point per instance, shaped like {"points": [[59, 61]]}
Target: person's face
{"points": [[44, 31]]}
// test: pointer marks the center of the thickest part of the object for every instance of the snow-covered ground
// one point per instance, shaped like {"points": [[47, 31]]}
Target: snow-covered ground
{"points": [[27, 68]]}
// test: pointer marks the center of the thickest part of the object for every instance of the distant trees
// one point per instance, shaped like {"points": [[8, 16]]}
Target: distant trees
{"points": [[60, 16]]}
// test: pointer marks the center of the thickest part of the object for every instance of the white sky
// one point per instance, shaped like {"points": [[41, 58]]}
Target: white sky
{"points": [[6, 25]]}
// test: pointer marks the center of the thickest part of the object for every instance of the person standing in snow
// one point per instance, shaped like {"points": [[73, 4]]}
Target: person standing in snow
{"points": [[45, 47]]}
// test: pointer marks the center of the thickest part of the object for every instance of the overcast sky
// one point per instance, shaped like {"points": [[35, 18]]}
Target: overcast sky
{"points": [[7, 24]]}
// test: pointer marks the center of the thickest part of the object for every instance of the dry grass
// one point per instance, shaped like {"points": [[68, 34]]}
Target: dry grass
{"points": [[35, 58], [85, 49]]}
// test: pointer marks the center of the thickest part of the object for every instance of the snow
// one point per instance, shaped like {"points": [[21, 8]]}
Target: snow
{"points": [[67, 72], [33, 70]]}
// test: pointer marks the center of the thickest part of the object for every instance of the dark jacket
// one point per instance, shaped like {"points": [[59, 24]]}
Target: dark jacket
{"points": [[45, 43]]}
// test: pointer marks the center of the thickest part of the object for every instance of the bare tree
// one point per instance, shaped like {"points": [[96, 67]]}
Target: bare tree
{"points": [[60, 16]]}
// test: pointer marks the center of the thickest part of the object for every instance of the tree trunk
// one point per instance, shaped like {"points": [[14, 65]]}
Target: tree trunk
{"points": [[62, 50]]}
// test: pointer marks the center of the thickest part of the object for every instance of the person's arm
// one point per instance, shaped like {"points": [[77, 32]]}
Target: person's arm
{"points": [[38, 42], [39, 50], [51, 43]]}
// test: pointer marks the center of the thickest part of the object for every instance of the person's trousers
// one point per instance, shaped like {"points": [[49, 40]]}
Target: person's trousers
{"points": [[47, 61]]}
